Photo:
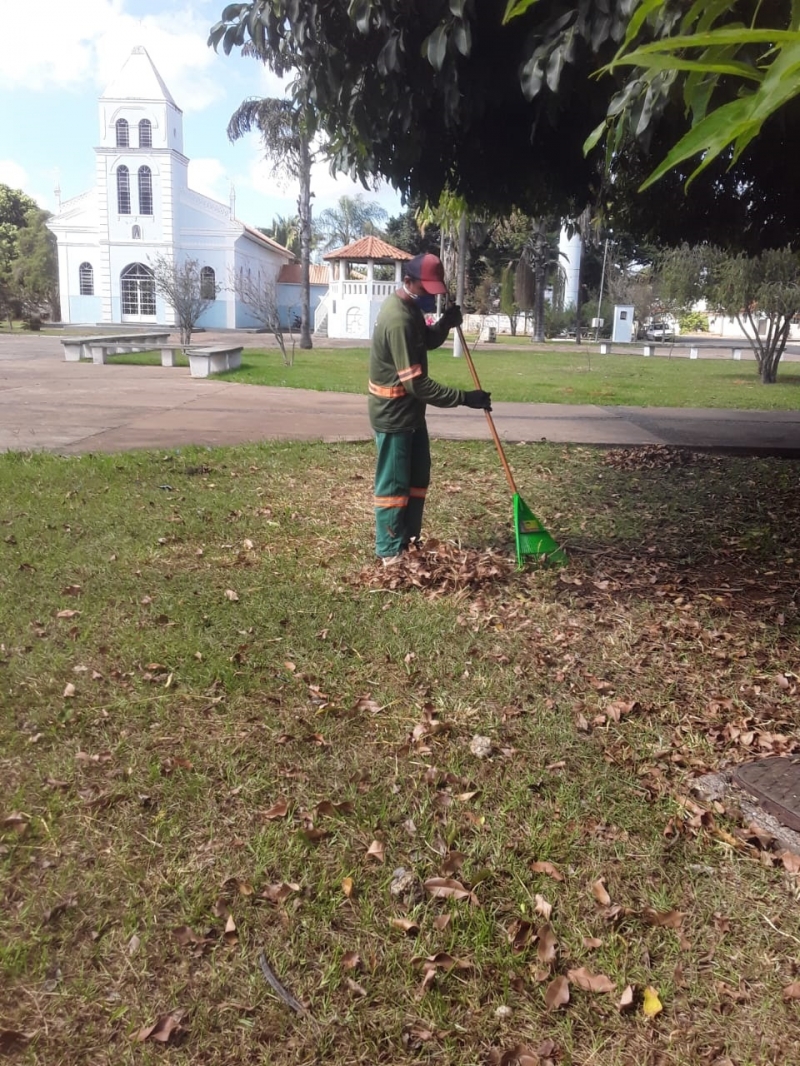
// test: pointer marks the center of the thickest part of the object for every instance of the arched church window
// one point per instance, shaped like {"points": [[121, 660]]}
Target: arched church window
{"points": [[145, 133], [86, 279], [123, 135], [136, 233], [208, 284], [145, 191], [137, 290], [123, 191]]}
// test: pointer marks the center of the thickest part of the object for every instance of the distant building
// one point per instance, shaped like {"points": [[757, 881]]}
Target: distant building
{"points": [[140, 207]]}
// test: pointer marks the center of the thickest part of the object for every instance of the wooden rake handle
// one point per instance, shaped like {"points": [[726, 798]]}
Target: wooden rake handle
{"points": [[489, 419]]}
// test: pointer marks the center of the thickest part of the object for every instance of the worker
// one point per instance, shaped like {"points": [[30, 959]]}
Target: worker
{"points": [[399, 391]]}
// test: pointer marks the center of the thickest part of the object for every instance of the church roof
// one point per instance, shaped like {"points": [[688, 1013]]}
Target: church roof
{"points": [[261, 238], [292, 274], [138, 80], [369, 248]]}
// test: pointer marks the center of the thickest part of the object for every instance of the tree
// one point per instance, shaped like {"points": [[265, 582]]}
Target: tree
{"points": [[35, 270], [508, 304], [353, 217], [433, 93], [286, 135], [183, 287], [732, 76], [285, 231], [762, 292], [28, 260], [403, 232], [260, 295], [538, 262]]}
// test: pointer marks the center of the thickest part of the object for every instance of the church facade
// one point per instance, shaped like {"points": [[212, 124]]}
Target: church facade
{"points": [[141, 207]]}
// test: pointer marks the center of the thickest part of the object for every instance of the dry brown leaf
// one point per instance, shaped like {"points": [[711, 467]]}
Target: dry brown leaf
{"points": [[69, 691], [348, 887], [543, 907], [791, 862], [15, 823], [545, 867], [441, 922], [355, 987], [453, 863], [165, 1029], [231, 595], [12, 1040], [277, 893], [792, 991], [599, 892], [664, 919], [405, 925], [67, 614], [557, 994], [591, 982], [376, 850], [447, 888], [442, 960], [521, 1055], [366, 703], [230, 936], [592, 942], [326, 807], [519, 934], [351, 960], [626, 999], [548, 942], [278, 810]]}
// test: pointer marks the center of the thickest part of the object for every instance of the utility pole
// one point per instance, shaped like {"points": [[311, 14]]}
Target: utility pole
{"points": [[600, 297]]}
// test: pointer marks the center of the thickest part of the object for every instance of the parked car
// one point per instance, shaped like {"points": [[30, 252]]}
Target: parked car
{"points": [[658, 330]]}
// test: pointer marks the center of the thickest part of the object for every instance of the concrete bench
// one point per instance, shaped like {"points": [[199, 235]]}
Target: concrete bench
{"points": [[206, 361], [97, 348]]}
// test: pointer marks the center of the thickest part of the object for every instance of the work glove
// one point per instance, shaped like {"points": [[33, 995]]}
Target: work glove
{"points": [[480, 400], [452, 317]]}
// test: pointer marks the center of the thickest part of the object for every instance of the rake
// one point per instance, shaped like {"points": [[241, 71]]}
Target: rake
{"points": [[532, 539]]}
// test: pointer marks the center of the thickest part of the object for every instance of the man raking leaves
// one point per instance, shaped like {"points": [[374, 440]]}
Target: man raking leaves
{"points": [[399, 392]]}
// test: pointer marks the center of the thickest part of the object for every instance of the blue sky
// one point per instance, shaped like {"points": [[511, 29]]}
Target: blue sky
{"points": [[53, 69]]}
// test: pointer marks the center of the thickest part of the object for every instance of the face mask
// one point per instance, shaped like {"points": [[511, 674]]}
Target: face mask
{"points": [[411, 295]]}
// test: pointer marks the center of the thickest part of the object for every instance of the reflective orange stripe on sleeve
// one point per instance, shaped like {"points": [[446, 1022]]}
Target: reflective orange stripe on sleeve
{"points": [[411, 372], [391, 501], [419, 494], [387, 392]]}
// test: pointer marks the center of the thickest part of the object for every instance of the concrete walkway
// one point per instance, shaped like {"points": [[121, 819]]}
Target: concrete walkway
{"points": [[71, 408]]}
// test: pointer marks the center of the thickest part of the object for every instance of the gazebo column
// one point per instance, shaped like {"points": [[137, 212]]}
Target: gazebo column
{"points": [[398, 273], [370, 276]]}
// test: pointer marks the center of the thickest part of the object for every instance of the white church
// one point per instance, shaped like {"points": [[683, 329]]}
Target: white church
{"points": [[142, 207]]}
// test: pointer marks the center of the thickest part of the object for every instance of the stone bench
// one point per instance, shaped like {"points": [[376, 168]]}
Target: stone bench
{"points": [[98, 348], [206, 361]]}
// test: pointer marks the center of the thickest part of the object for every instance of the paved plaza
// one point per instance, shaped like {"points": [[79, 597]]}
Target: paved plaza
{"points": [[72, 408]]}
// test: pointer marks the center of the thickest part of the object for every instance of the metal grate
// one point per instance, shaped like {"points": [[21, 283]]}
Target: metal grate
{"points": [[123, 191]]}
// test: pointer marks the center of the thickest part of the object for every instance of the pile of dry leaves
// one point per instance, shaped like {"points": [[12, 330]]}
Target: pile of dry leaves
{"points": [[654, 457], [439, 567]]}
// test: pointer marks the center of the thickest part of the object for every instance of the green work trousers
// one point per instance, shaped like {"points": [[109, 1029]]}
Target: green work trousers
{"points": [[402, 476]]}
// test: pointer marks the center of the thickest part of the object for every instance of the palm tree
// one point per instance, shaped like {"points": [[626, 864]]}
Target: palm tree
{"points": [[353, 217], [285, 231], [287, 145], [540, 258]]}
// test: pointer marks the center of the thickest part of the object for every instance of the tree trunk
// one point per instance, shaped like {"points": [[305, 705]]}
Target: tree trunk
{"points": [[304, 208], [461, 275], [539, 280], [512, 324]]}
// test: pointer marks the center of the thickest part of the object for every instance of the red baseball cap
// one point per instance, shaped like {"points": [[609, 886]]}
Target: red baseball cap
{"points": [[429, 270]]}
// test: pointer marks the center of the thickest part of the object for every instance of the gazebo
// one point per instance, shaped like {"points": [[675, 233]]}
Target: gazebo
{"points": [[353, 300]]}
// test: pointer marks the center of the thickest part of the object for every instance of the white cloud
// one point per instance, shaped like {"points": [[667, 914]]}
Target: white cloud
{"points": [[80, 41], [13, 174], [209, 177]]}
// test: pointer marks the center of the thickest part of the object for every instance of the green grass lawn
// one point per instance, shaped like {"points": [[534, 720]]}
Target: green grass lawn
{"points": [[224, 729], [549, 377]]}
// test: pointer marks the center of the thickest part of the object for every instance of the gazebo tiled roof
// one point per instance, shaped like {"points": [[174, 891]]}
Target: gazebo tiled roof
{"points": [[369, 248]]}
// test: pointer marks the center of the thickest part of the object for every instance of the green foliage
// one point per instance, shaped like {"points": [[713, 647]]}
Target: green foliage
{"points": [[757, 290], [353, 217], [712, 56], [693, 322], [28, 260]]}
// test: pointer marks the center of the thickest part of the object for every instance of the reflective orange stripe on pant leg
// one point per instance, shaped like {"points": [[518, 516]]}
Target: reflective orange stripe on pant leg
{"points": [[391, 501], [418, 494]]}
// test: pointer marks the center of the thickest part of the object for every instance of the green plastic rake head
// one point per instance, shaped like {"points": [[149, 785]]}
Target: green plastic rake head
{"points": [[532, 538]]}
